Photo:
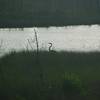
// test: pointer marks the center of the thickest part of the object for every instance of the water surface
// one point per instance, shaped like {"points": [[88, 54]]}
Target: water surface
{"points": [[74, 38]]}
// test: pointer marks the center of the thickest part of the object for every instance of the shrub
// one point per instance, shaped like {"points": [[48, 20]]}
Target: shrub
{"points": [[72, 85]]}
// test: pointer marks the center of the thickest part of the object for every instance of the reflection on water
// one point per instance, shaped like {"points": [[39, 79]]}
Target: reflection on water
{"points": [[81, 38]]}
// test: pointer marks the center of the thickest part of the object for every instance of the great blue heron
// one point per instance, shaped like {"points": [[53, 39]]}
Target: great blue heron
{"points": [[50, 47]]}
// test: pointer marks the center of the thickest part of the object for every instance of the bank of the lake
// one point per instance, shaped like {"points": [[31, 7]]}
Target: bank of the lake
{"points": [[51, 75]]}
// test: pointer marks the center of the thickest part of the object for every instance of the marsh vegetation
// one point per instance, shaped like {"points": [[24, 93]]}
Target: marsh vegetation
{"points": [[57, 76], [40, 74]]}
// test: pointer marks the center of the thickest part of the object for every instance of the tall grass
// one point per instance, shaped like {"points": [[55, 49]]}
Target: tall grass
{"points": [[65, 75]]}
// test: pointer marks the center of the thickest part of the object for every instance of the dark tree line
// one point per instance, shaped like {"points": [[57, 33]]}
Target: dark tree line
{"points": [[48, 12]]}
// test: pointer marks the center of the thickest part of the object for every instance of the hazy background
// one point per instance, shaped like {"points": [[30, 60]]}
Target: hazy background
{"points": [[29, 13]]}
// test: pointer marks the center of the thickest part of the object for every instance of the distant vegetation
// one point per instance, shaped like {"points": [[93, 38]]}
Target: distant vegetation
{"points": [[56, 76], [29, 13]]}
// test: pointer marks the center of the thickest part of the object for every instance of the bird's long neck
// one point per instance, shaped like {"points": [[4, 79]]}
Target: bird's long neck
{"points": [[50, 46]]}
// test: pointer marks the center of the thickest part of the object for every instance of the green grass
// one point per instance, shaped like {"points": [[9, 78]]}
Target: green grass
{"points": [[55, 76]]}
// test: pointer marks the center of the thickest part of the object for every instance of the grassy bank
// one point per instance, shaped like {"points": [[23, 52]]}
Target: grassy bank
{"points": [[51, 76]]}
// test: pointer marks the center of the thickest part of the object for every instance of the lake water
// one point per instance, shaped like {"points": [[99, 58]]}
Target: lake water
{"points": [[74, 38]]}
